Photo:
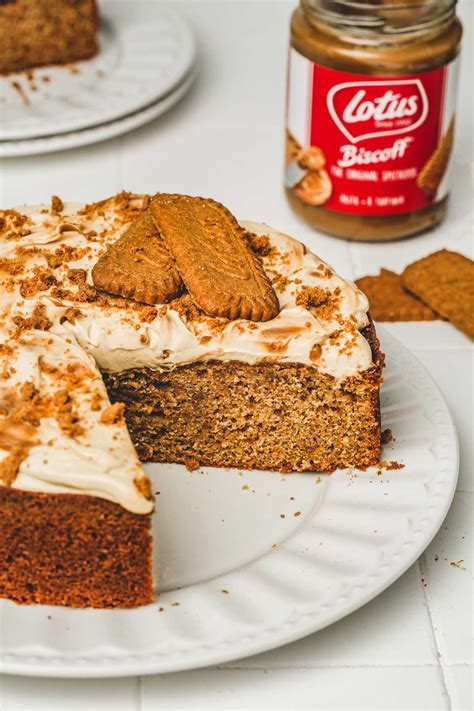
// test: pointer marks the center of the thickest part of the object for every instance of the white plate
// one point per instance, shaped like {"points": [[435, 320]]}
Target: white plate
{"points": [[145, 53], [222, 530], [76, 139]]}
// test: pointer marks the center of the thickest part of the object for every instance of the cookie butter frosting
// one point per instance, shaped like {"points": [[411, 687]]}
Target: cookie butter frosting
{"points": [[53, 322]]}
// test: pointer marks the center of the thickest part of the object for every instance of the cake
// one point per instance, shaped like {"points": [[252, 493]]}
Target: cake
{"points": [[39, 32], [159, 329]]}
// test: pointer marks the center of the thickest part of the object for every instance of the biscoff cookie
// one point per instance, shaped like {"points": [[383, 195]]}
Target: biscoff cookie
{"points": [[222, 274], [445, 282], [390, 302], [138, 266]]}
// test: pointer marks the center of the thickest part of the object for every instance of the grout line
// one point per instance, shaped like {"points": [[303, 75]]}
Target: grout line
{"points": [[119, 171], [270, 667], [422, 567], [353, 259], [139, 693]]}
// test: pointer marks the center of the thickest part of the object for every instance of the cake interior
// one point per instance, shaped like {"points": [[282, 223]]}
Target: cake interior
{"points": [[74, 550], [263, 416]]}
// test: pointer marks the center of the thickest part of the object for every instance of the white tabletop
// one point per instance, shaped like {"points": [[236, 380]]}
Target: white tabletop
{"points": [[410, 648]]}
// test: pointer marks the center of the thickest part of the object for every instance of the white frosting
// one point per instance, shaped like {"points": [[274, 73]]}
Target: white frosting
{"points": [[102, 461]]}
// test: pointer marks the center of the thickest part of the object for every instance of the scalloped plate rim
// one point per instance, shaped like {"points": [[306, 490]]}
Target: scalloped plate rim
{"points": [[146, 663]]}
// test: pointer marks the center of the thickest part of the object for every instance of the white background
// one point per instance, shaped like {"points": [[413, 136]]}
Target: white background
{"points": [[410, 648]]}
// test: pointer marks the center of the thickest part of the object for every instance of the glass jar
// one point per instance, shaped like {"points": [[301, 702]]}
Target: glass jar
{"points": [[370, 115]]}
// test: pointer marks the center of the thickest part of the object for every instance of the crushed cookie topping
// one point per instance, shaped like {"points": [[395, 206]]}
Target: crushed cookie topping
{"points": [[113, 414], [56, 205], [12, 266], [77, 276], [67, 419], [312, 296], [13, 224], [96, 401], [323, 302], [41, 280], [71, 315], [259, 244], [144, 486], [20, 413], [38, 320], [65, 254]]}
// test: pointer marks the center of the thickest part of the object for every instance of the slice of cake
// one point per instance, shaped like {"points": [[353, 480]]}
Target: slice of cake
{"points": [[39, 32], [234, 346]]}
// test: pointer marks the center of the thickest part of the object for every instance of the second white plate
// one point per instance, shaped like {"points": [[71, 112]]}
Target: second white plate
{"points": [[96, 134], [248, 561], [146, 51]]}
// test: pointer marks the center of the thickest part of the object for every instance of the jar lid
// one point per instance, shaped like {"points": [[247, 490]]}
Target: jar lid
{"points": [[381, 16]]}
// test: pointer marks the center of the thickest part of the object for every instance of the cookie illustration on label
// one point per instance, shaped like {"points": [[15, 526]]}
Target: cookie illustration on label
{"points": [[432, 173]]}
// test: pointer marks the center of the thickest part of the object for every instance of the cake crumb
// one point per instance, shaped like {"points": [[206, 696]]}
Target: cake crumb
{"points": [[226, 592], [387, 436], [389, 466], [191, 464]]}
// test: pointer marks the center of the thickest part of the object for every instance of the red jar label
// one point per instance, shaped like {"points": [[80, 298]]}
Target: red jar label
{"points": [[369, 145]]}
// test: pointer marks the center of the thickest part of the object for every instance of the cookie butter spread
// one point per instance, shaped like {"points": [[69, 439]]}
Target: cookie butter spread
{"points": [[58, 431], [370, 114]]}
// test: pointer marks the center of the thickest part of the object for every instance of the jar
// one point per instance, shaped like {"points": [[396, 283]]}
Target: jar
{"points": [[370, 115]]}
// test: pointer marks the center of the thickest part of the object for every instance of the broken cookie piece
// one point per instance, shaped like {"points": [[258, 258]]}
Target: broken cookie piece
{"points": [[390, 302], [445, 282], [138, 266], [221, 273]]}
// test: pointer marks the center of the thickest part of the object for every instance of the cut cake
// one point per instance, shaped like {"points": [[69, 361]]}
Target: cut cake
{"points": [[39, 32], [275, 364]]}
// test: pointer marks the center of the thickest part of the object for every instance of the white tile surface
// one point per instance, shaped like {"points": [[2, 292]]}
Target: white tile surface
{"points": [[58, 695], [441, 337], [346, 688], [347, 642], [449, 587], [225, 140], [458, 393], [459, 683]]}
